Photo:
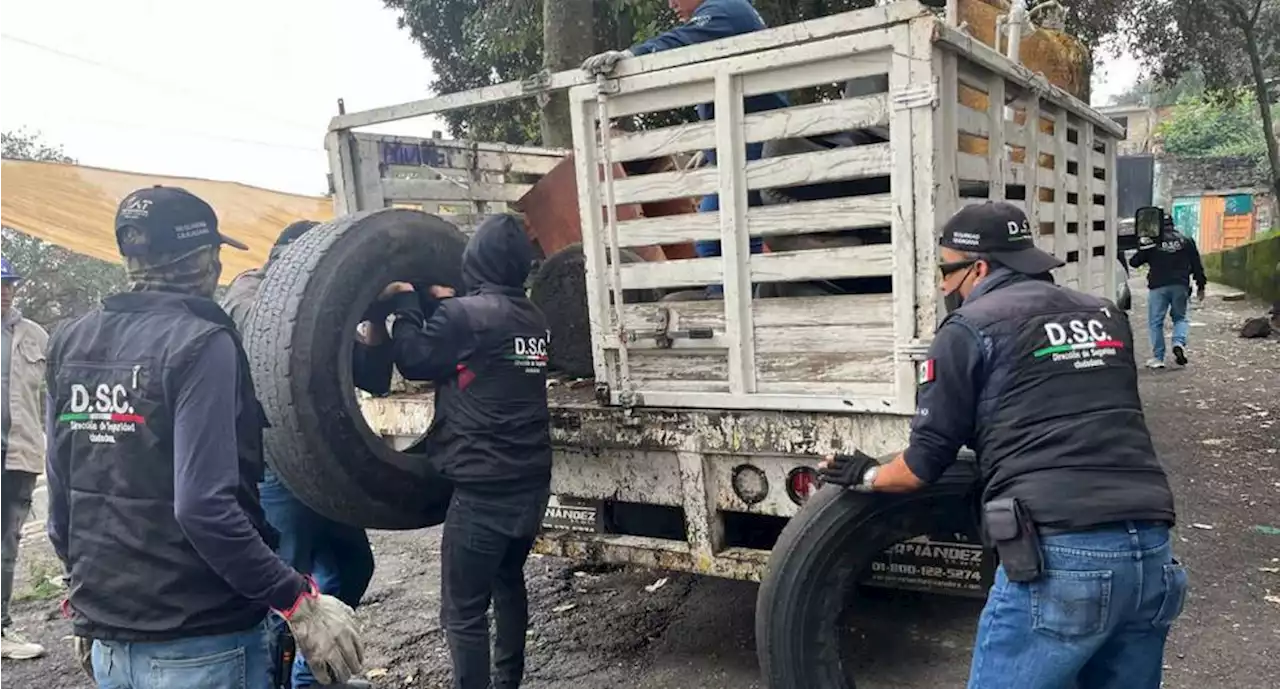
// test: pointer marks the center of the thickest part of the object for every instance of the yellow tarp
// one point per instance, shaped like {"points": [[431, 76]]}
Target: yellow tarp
{"points": [[75, 206]]}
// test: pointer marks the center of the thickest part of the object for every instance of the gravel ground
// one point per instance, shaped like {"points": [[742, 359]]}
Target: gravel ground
{"points": [[1215, 424]]}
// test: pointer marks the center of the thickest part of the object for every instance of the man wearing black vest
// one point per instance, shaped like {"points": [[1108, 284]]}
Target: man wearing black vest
{"points": [[1040, 382], [486, 352], [155, 453], [1174, 262]]}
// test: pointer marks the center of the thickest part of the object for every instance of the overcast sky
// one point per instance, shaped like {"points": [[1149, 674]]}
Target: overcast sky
{"points": [[225, 89]]}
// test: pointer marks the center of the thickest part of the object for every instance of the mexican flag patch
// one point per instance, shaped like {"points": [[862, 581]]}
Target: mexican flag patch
{"points": [[927, 372]]}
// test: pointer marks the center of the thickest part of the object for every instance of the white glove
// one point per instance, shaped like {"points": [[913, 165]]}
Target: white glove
{"points": [[324, 630], [1146, 242], [605, 62]]}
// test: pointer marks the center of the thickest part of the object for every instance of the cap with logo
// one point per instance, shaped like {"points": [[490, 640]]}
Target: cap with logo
{"points": [[167, 220], [7, 272], [999, 230]]}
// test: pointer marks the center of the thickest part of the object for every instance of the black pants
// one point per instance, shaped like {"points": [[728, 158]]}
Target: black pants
{"points": [[485, 544], [16, 505]]}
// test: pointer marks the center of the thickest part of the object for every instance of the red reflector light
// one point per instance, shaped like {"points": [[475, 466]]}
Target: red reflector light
{"points": [[801, 483]]}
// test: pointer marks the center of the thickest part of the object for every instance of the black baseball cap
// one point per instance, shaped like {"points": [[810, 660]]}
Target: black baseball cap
{"points": [[167, 220], [999, 230]]}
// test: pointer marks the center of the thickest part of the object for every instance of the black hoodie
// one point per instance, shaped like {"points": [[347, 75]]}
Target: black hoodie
{"points": [[486, 352], [1174, 260]]}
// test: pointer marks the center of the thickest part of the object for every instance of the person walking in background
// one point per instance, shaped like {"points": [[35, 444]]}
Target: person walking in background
{"points": [[24, 343], [1174, 260]]}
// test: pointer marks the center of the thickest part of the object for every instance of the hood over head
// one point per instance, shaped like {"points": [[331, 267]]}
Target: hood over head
{"points": [[498, 256]]}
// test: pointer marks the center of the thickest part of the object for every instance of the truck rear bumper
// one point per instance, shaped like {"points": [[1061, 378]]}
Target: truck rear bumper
{"points": [[659, 553]]}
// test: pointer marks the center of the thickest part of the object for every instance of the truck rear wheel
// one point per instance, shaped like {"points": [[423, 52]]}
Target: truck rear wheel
{"points": [[299, 341], [814, 567]]}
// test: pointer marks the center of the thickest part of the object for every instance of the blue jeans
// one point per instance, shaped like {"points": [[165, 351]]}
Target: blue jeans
{"points": [[236, 660], [1097, 618], [711, 203], [338, 556], [1171, 299]]}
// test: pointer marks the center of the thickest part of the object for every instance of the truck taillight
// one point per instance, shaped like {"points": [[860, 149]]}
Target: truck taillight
{"points": [[801, 483], [750, 484]]}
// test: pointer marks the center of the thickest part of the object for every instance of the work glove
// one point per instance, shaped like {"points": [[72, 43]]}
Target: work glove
{"points": [[605, 62], [82, 648], [1146, 242], [846, 470], [324, 631], [1200, 293]]}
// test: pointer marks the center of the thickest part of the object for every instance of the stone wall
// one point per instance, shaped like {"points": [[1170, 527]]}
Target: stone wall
{"points": [[1177, 176], [1252, 267]]}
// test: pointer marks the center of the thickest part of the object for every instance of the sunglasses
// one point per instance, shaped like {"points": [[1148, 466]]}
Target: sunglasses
{"points": [[946, 269]]}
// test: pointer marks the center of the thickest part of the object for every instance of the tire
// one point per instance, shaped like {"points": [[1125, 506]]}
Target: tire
{"points": [[299, 344], [559, 289], [815, 563]]}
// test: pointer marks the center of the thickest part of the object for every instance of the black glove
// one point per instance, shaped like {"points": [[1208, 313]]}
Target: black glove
{"points": [[1200, 293], [847, 470]]}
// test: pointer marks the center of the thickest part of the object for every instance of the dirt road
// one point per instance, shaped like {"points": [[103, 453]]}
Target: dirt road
{"points": [[1216, 424]]}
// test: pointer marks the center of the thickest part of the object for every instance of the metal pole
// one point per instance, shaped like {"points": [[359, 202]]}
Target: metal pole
{"points": [[1017, 17], [611, 227]]}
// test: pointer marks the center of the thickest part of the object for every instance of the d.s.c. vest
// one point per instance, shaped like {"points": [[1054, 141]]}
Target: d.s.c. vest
{"points": [[114, 375], [1060, 424], [492, 423]]}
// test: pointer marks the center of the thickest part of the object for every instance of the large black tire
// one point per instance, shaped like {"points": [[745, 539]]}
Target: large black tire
{"points": [[299, 342], [559, 289], [815, 564]]}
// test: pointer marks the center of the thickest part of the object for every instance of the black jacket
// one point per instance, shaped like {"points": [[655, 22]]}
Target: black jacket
{"points": [[486, 352], [1039, 381], [1174, 260]]}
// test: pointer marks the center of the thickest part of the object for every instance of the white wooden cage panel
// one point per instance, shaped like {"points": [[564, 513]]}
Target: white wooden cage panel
{"points": [[753, 357], [461, 181], [1046, 152]]}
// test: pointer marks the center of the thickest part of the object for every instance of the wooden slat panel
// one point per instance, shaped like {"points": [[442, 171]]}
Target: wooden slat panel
{"points": [[997, 162], [843, 398], [438, 190], [769, 71], [459, 156], [828, 215], [818, 264], [804, 168], [831, 324], [672, 370], [804, 120], [734, 241], [870, 59]]}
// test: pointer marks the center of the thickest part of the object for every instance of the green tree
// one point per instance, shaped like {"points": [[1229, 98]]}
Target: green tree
{"points": [[57, 283], [1207, 126], [1235, 43], [476, 43]]}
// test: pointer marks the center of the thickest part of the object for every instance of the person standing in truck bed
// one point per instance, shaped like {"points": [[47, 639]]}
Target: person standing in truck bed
{"points": [[486, 352], [154, 457], [1174, 261], [1039, 381], [337, 555], [704, 20]]}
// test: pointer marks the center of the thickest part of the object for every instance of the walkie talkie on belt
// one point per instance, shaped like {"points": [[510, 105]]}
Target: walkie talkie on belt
{"points": [[1010, 529]]}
